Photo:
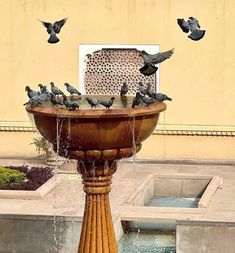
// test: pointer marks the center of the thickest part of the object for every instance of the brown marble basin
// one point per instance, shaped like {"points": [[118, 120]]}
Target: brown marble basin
{"points": [[97, 129]]}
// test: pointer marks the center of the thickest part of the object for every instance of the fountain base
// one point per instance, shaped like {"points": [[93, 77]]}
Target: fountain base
{"points": [[97, 168], [97, 234]]}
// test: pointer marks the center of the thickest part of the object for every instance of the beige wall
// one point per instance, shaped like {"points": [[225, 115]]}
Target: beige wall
{"points": [[200, 76]]}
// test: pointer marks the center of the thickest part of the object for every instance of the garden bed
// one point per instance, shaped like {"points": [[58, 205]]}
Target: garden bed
{"points": [[39, 181], [35, 177]]}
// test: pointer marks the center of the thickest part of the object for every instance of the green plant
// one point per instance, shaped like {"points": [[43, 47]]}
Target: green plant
{"points": [[11, 176], [42, 146]]}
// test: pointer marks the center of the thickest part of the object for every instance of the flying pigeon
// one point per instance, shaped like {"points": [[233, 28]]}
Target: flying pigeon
{"points": [[72, 105], [136, 100], [192, 25], [72, 90], [31, 93], [55, 100], [54, 29], [152, 59], [159, 97], [108, 103], [56, 90], [124, 90], [93, 102]]}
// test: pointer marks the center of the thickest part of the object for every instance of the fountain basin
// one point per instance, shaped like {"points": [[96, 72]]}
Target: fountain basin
{"points": [[97, 129]]}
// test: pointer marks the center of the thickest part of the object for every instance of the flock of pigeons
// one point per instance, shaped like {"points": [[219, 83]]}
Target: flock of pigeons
{"points": [[150, 60], [38, 97], [145, 95], [57, 96]]}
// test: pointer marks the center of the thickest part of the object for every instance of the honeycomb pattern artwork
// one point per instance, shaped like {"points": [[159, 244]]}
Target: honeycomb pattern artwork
{"points": [[107, 69]]}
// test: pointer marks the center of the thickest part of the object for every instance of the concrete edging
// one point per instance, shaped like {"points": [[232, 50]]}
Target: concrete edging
{"points": [[38, 194], [130, 212]]}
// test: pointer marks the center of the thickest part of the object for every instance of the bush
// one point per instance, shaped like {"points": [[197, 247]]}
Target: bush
{"points": [[11, 176], [42, 146]]}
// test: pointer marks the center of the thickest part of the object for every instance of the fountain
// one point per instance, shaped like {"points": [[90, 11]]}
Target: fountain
{"points": [[98, 138]]}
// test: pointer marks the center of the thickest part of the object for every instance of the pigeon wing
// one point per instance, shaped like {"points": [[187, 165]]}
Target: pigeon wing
{"points": [[47, 25], [160, 57], [195, 21], [58, 25], [183, 25]]}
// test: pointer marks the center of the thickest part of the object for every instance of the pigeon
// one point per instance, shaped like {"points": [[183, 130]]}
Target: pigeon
{"points": [[37, 100], [142, 88], [93, 102], [31, 93], [54, 29], [43, 89], [124, 90], [136, 100], [56, 90], [159, 97], [55, 100], [147, 100], [192, 25], [70, 104], [149, 91], [108, 104], [72, 90], [151, 59]]}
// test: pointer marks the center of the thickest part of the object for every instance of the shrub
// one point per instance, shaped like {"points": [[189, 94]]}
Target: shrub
{"points": [[11, 176], [42, 146]]}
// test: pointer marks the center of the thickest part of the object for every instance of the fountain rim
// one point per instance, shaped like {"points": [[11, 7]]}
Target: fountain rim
{"points": [[43, 110]]}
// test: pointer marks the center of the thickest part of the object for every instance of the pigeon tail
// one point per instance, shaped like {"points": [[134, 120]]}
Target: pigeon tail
{"points": [[168, 98], [148, 69], [197, 35], [53, 39]]}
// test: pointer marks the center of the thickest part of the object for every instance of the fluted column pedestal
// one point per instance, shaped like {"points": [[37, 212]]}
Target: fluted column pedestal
{"points": [[97, 235], [97, 168]]}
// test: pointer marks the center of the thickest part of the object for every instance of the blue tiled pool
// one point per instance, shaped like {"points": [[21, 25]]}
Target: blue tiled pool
{"points": [[146, 242], [173, 202]]}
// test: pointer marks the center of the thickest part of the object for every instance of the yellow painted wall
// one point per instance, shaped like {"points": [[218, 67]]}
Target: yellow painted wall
{"points": [[200, 76]]}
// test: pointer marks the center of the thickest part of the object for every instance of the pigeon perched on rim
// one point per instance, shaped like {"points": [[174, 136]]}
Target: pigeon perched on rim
{"points": [[152, 59], [149, 91], [107, 104], [93, 102], [37, 99], [43, 89], [72, 90], [72, 105], [147, 100], [55, 100], [159, 97], [124, 89], [142, 88], [56, 90], [136, 100], [31, 93], [53, 29], [192, 25]]}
